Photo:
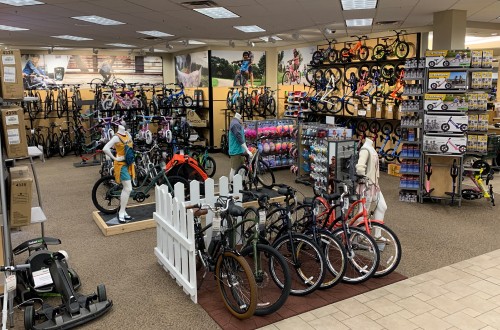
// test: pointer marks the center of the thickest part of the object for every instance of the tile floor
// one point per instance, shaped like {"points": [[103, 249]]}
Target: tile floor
{"points": [[465, 295]]}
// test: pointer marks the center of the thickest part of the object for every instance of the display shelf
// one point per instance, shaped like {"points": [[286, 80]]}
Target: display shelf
{"points": [[419, 79], [409, 189], [414, 111], [413, 94], [410, 126], [446, 69], [477, 132], [447, 91]]}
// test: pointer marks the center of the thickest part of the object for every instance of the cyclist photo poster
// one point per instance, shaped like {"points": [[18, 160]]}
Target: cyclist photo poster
{"points": [[80, 69], [192, 69], [294, 61], [234, 67]]}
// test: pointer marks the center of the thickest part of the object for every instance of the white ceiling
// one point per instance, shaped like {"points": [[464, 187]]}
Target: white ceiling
{"points": [[283, 18]]}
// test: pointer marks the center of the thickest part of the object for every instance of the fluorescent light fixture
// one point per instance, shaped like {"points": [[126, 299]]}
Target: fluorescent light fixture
{"points": [[265, 39], [121, 45], [216, 12], [359, 22], [74, 38], [249, 28], [276, 38], [196, 42], [156, 33], [11, 28], [169, 46], [358, 4], [19, 3], [98, 20], [160, 50], [56, 48]]}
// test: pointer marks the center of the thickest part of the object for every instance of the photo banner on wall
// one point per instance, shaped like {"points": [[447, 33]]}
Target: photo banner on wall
{"points": [[226, 67], [292, 65], [192, 69], [82, 69]]}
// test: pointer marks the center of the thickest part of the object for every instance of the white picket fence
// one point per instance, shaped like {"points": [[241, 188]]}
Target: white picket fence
{"points": [[175, 248]]}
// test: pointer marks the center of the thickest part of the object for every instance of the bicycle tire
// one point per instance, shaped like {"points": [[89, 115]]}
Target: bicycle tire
{"points": [[265, 174], [388, 154], [362, 69], [187, 101], [378, 52], [310, 76], [60, 105], [270, 295], [335, 257], [318, 76], [48, 146], [338, 104], [335, 72], [286, 79], [344, 55], [96, 81], [332, 56], [271, 106], [387, 128], [349, 105], [317, 58], [362, 126], [308, 273], [234, 268], [209, 166], [363, 262], [363, 53], [374, 127], [106, 195], [389, 247], [64, 144], [351, 69], [401, 50], [388, 71], [243, 171]]}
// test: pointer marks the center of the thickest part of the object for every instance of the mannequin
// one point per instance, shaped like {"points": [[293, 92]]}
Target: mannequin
{"points": [[237, 144], [368, 165], [123, 172]]}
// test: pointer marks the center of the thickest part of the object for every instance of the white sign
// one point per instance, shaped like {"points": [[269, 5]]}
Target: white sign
{"points": [[42, 277], [8, 60], [9, 74]]}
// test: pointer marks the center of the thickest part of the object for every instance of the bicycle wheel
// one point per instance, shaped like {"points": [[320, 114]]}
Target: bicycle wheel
{"points": [[332, 56], [106, 195], [271, 106], [229, 99], [48, 146], [310, 75], [389, 248], [307, 265], [187, 101], [317, 58], [335, 257], [272, 277], [362, 127], [362, 259], [224, 144], [243, 171], [265, 174], [388, 71], [335, 72], [365, 99], [389, 155], [350, 70], [374, 127], [96, 81], [344, 55], [286, 78], [363, 53], [60, 104], [349, 104], [378, 52], [64, 144], [236, 285], [387, 128], [401, 50], [338, 105], [210, 166]]}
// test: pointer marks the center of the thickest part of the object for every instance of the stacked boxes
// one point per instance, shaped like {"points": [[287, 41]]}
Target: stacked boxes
{"points": [[20, 196]]}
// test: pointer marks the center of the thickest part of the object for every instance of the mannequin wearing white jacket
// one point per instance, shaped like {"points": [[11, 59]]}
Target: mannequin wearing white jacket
{"points": [[368, 165]]}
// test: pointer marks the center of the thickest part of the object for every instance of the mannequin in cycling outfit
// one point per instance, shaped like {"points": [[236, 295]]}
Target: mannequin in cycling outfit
{"points": [[123, 172]]}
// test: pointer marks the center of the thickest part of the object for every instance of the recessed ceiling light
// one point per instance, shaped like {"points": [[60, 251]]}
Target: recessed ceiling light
{"points": [[276, 38], [67, 37], [155, 33], [121, 45], [19, 3], [359, 22], [249, 28], [11, 28], [160, 50], [358, 4], [98, 20], [216, 12]]}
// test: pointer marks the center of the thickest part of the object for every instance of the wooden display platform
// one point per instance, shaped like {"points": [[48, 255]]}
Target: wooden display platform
{"points": [[143, 219], [143, 216]]}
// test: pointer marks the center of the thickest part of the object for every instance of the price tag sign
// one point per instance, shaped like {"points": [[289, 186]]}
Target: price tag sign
{"points": [[262, 217], [11, 282], [362, 113], [216, 223]]}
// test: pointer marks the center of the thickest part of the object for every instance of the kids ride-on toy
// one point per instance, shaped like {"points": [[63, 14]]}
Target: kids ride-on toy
{"points": [[75, 309]]}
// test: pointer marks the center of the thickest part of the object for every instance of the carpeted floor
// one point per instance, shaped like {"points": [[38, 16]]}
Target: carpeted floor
{"points": [[145, 297]]}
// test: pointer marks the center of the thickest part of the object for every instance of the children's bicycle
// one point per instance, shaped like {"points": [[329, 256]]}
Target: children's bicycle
{"points": [[321, 55], [234, 277], [482, 189], [445, 127], [291, 75], [399, 47], [358, 51], [256, 171], [445, 147]]}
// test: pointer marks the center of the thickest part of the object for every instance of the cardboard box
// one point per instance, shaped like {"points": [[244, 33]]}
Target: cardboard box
{"points": [[446, 124], [476, 58], [379, 110], [473, 122], [11, 75], [447, 80], [448, 58], [393, 169], [389, 111], [487, 58], [14, 130], [445, 144], [20, 198], [471, 142], [19, 172], [482, 143]]}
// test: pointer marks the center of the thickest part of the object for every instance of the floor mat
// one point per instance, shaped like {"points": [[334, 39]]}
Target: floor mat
{"points": [[209, 298]]}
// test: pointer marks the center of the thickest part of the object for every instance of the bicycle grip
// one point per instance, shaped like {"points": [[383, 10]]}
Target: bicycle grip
{"points": [[194, 206]]}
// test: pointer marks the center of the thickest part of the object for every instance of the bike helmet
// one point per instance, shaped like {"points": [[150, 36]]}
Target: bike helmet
{"points": [[267, 147], [277, 146], [260, 147], [272, 146], [278, 161]]}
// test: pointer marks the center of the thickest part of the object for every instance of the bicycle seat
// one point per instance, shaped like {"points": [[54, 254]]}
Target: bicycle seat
{"points": [[236, 210], [385, 39], [287, 191], [331, 197]]}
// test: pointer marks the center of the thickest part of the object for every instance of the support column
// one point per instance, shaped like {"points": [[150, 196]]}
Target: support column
{"points": [[449, 29], [168, 68], [272, 68], [424, 43]]}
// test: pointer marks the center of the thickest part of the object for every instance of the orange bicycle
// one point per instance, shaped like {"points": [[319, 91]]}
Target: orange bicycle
{"points": [[358, 51]]}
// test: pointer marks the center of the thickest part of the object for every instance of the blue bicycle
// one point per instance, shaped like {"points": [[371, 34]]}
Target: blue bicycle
{"points": [[392, 153], [348, 101], [233, 99], [174, 99]]}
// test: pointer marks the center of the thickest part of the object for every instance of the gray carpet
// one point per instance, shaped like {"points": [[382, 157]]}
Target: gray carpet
{"points": [[146, 297]]}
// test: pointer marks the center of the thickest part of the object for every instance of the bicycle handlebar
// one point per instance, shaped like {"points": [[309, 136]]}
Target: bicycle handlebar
{"points": [[15, 268], [215, 208]]}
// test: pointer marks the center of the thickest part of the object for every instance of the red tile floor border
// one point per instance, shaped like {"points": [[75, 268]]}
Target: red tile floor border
{"points": [[209, 298]]}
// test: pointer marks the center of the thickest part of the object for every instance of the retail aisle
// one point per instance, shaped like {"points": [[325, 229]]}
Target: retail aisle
{"points": [[464, 295]]}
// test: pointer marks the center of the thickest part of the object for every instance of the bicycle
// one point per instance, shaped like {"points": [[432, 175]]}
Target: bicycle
{"points": [[106, 191], [320, 55], [291, 74], [267, 103], [172, 99], [51, 146], [34, 106], [305, 257], [256, 171], [233, 99], [145, 133], [482, 189], [224, 143], [358, 51], [445, 147], [232, 273], [346, 102], [446, 126], [206, 162], [399, 48], [65, 143]]}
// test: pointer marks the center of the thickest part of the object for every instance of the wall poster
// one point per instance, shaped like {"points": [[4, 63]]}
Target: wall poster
{"points": [[192, 69], [226, 65]]}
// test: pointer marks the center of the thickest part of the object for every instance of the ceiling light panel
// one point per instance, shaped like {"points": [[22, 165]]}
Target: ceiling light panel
{"points": [[98, 20], [358, 4], [122, 45], [216, 12], [74, 38], [249, 28], [19, 3], [11, 28], [156, 33], [276, 38], [196, 42], [359, 22]]}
